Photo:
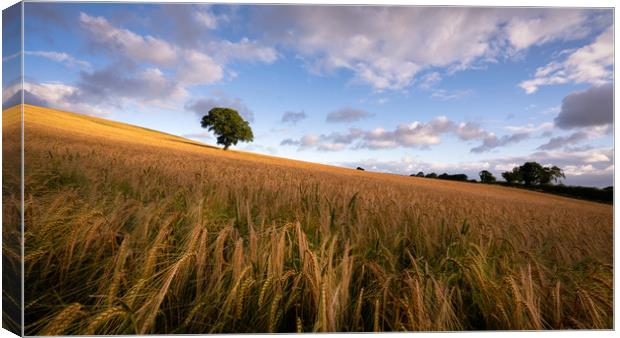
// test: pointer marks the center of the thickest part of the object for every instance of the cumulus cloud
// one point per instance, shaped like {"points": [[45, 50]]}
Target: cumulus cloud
{"points": [[470, 131], [589, 64], [245, 49], [115, 83], [537, 29], [365, 41], [492, 141], [193, 67], [188, 24], [144, 69], [410, 135], [99, 91], [293, 117], [576, 138], [137, 47], [347, 115], [165, 69], [49, 94], [592, 107], [562, 141], [197, 68], [202, 106]]}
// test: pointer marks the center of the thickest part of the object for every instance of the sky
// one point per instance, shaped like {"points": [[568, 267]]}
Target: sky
{"points": [[397, 89]]}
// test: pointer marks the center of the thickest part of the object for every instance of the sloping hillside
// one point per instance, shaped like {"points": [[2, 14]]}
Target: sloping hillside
{"points": [[130, 230], [47, 122]]}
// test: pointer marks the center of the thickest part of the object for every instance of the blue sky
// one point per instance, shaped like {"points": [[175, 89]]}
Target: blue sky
{"points": [[394, 89]]}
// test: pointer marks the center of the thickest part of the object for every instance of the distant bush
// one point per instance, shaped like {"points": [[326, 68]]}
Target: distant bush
{"points": [[486, 176], [360, 168], [431, 175], [455, 177]]}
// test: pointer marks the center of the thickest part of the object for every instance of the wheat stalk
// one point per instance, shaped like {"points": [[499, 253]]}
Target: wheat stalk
{"points": [[62, 320]]}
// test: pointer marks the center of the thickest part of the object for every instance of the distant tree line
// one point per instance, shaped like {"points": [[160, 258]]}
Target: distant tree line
{"points": [[530, 173], [444, 176], [533, 176]]}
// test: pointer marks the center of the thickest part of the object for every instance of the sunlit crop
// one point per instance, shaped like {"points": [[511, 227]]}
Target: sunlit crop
{"points": [[129, 231]]}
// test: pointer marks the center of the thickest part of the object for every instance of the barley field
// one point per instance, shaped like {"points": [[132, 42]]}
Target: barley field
{"points": [[131, 231]]}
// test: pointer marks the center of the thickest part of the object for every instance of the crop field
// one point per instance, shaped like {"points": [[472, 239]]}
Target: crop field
{"points": [[131, 231]]}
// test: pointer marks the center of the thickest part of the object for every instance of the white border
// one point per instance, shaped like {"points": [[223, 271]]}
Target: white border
{"points": [[482, 3]]}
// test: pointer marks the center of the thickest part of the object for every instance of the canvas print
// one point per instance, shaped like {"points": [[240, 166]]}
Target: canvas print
{"points": [[198, 168]]}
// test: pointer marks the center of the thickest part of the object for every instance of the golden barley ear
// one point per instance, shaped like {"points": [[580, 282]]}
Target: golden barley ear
{"points": [[62, 320]]}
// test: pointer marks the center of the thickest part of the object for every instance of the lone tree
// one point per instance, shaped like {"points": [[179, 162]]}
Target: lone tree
{"points": [[228, 126], [486, 177]]}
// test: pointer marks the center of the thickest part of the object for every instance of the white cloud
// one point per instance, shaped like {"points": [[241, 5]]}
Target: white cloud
{"points": [[429, 80], [62, 58], [198, 68], [50, 91], [50, 94], [413, 135], [470, 131], [137, 47], [524, 32], [149, 69], [578, 137], [491, 141], [592, 64], [386, 47], [580, 170], [529, 128], [245, 49], [207, 19], [190, 66]]}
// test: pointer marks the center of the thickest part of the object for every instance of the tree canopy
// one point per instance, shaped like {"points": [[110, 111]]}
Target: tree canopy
{"points": [[533, 173], [228, 126]]}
